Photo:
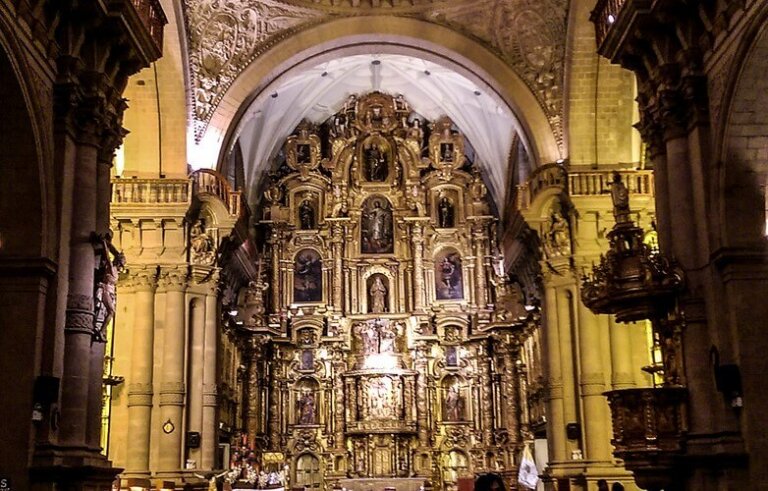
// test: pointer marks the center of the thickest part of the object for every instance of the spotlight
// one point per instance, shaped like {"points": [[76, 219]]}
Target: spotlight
{"points": [[611, 19], [559, 161]]}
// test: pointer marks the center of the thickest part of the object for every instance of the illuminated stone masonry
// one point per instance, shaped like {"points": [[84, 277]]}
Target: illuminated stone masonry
{"points": [[389, 338]]}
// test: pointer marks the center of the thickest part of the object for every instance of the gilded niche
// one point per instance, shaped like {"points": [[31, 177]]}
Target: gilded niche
{"points": [[381, 310]]}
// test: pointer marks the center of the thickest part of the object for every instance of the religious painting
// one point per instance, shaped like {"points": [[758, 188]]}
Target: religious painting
{"points": [[378, 293], [307, 359], [376, 165], [451, 356], [303, 153], [306, 408], [376, 226], [453, 399], [308, 277], [449, 283]]}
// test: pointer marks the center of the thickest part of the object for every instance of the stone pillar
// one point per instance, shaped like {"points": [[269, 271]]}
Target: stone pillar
{"points": [[172, 388], [208, 434], [80, 316], [140, 378], [596, 427], [554, 373], [417, 244], [196, 373]]}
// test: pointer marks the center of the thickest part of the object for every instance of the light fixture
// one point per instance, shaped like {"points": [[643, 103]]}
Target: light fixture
{"points": [[559, 161], [233, 312], [611, 19]]}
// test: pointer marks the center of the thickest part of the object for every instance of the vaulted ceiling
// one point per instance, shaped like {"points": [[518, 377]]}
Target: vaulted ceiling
{"points": [[226, 36]]}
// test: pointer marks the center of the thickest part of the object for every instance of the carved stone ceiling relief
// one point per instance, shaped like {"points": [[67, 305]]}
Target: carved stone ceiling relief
{"points": [[226, 35]]}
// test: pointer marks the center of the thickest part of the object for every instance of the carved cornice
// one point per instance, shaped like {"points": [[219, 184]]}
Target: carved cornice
{"points": [[173, 278], [225, 37]]}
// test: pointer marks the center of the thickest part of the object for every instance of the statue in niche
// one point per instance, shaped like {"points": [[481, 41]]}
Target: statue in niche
{"points": [[381, 397], [558, 238], [201, 243], [377, 295], [308, 277], [105, 296], [306, 408], [369, 338], [376, 227], [306, 214], [454, 404], [445, 212], [376, 168], [620, 198], [448, 277], [387, 338], [446, 152]]}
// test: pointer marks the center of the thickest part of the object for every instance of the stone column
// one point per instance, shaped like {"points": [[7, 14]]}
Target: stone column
{"points": [[172, 388], [140, 378], [554, 372], [196, 373], [80, 316], [208, 439], [417, 244], [596, 426]]}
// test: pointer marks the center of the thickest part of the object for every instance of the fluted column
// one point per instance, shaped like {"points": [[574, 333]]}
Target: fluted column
{"points": [[142, 362], [208, 442], [172, 388], [80, 315], [196, 369], [554, 372], [597, 430]]}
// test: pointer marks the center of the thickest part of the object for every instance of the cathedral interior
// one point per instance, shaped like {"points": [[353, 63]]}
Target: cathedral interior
{"points": [[383, 245]]}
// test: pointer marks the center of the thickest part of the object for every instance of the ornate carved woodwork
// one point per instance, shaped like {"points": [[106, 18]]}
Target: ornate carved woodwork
{"points": [[381, 322]]}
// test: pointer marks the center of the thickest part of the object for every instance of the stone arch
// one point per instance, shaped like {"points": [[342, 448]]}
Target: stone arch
{"points": [[27, 241], [386, 34], [740, 199]]}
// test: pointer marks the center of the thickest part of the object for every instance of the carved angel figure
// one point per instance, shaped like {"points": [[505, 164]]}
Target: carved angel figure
{"points": [[620, 198], [202, 247]]}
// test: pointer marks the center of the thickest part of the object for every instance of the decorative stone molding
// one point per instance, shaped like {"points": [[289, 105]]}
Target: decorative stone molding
{"points": [[79, 313], [173, 278], [172, 393], [140, 394], [224, 37]]}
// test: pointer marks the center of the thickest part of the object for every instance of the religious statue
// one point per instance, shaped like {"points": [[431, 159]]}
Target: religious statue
{"points": [[306, 408], [375, 164], [105, 296], [303, 155], [202, 249], [388, 337], [369, 335], [454, 404], [378, 296], [445, 213], [557, 238], [620, 198], [306, 214], [446, 152], [448, 277], [376, 228]]}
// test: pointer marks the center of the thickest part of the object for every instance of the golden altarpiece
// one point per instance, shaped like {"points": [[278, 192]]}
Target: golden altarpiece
{"points": [[386, 336]]}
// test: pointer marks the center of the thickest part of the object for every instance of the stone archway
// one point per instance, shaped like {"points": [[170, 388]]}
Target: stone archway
{"points": [[386, 35]]}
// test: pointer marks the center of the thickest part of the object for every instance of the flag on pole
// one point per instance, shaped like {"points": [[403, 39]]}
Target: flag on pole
{"points": [[528, 475]]}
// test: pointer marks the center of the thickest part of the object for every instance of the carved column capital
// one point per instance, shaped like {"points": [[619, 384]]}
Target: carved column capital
{"points": [[173, 278], [140, 279]]}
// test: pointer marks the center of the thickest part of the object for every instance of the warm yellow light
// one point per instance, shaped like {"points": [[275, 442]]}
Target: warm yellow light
{"points": [[380, 361]]}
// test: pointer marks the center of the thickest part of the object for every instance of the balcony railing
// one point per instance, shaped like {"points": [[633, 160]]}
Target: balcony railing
{"points": [[154, 18], [614, 20], [151, 191], [604, 16], [208, 181]]}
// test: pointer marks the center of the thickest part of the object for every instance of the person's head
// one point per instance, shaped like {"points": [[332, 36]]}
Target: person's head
{"points": [[489, 482]]}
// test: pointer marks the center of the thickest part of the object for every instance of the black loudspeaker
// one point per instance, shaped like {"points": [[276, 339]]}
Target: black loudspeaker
{"points": [[46, 390], [573, 431], [193, 439]]}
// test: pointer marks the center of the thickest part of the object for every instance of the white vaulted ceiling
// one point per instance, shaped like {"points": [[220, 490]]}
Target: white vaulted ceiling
{"points": [[432, 91]]}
